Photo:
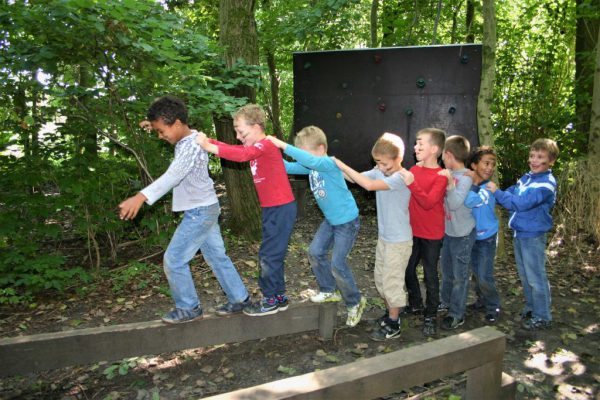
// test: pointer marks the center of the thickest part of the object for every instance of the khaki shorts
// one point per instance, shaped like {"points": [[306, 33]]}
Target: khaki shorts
{"points": [[391, 260]]}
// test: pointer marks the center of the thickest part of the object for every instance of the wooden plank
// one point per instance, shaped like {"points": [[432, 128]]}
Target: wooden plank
{"points": [[484, 382], [385, 374], [45, 351], [509, 387]]}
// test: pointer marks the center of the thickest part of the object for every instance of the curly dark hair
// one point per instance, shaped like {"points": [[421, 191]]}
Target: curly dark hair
{"points": [[169, 109], [478, 154]]}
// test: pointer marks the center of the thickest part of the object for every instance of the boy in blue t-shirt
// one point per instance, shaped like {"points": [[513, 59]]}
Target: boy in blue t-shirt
{"points": [[394, 243], [339, 229], [482, 204], [530, 203]]}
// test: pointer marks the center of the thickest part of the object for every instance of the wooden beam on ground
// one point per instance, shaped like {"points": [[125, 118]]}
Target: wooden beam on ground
{"points": [[479, 351], [25, 354]]}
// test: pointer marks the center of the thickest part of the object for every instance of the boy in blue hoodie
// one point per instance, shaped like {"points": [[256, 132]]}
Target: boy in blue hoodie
{"points": [[338, 230], [482, 204], [530, 203]]}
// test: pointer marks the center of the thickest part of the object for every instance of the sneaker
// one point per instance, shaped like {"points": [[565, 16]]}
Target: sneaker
{"points": [[179, 315], [429, 327], [324, 297], [355, 312], [410, 310], [535, 324], [492, 317], [450, 323], [443, 308], [525, 315], [388, 330], [381, 321], [476, 307], [266, 306], [232, 308], [282, 302]]}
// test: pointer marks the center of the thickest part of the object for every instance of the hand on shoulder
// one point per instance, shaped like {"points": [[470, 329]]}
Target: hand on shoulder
{"points": [[406, 176], [277, 142]]}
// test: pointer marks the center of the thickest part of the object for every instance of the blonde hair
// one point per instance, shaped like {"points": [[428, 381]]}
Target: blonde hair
{"points": [[390, 145], [547, 145], [437, 137], [311, 136], [252, 114]]}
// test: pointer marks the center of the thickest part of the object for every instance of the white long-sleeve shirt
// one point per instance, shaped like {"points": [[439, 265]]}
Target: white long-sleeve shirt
{"points": [[187, 175]]}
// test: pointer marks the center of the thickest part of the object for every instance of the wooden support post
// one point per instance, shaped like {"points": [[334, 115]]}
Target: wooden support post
{"points": [[484, 382], [45, 351], [381, 375]]}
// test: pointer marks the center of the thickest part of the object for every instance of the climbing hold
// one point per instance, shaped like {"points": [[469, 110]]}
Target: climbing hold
{"points": [[338, 115], [381, 107], [408, 111], [452, 110], [464, 59], [307, 65], [377, 59], [421, 83], [344, 85]]}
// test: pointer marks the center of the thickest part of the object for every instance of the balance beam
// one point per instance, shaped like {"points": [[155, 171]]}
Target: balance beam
{"points": [[479, 352], [25, 354]]}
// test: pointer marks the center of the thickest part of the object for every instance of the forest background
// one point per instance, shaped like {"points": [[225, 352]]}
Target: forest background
{"points": [[77, 77]]}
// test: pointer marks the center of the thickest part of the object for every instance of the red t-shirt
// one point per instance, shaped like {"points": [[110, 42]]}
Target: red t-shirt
{"points": [[426, 204], [266, 164]]}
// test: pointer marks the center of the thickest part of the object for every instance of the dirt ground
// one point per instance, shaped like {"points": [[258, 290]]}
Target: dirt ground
{"points": [[560, 363]]}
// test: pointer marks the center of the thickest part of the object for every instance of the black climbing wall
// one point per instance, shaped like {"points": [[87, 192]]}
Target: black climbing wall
{"points": [[357, 95]]}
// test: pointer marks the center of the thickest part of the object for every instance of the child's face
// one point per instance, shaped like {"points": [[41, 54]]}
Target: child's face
{"points": [[484, 169], [424, 150], [246, 133], [539, 161], [386, 164], [318, 151], [169, 133]]}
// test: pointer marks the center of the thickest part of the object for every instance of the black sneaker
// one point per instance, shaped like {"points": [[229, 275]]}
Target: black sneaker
{"points": [[410, 310], [450, 323], [232, 308], [429, 327], [524, 316], [388, 330], [282, 302], [381, 321], [492, 317], [535, 324], [443, 308], [476, 307], [266, 306]]}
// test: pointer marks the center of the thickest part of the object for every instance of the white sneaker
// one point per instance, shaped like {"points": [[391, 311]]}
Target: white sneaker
{"points": [[355, 312], [323, 297]]}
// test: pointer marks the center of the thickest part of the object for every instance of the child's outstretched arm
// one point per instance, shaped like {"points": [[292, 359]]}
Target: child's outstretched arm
{"points": [[524, 202], [364, 181], [203, 142], [129, 208]]}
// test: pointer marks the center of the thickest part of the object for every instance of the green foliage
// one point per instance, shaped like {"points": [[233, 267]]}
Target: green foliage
{"points": [[137, 274], [122, 367]]}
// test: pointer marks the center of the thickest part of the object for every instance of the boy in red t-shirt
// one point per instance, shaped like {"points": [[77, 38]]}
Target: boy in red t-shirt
{"points": [[275, 197], [426, 210]]}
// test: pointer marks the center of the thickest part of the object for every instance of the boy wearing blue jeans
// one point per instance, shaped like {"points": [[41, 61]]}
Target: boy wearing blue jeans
{"points": [[394, 243], [530, 203], [339, 229], [459, 233], [482, 203], [194, 194]]}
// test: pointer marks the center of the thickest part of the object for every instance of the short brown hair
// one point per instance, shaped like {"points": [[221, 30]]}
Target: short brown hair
{"points": [[390, 145], [311, 136], [437, 137], [459, 147], [252, 114], [547, 145]]}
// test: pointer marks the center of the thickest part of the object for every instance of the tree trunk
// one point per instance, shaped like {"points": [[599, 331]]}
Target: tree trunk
{"points": [[594, 137], [275, 111], [585, 49], [437, 21], [89, 138], [239, 39], [470, 38], [374, 8]]}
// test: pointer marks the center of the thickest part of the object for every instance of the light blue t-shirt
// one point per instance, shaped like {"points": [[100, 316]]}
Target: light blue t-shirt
{"points": [[393, 221], [327, 184]]}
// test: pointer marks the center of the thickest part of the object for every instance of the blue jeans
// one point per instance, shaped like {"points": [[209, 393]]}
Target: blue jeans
{"points": [[277, 225], [530, 256], [482, 263], [199, 229], [335, 273], [456, 255]]}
